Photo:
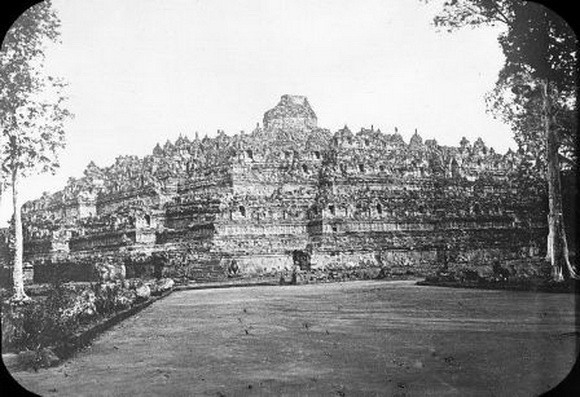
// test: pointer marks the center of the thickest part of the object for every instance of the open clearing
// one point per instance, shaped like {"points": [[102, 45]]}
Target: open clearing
{"points": [[356, 338]]}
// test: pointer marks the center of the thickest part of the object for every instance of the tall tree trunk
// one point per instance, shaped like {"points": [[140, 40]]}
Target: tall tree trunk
{"points": [[557, 244], [18, 275]]}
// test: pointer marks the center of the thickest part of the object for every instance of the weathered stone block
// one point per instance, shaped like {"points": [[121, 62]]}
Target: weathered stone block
{"points": [[246, 205]]}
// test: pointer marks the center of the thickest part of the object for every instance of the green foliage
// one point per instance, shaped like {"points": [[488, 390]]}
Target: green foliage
{"points": [[39, 323], [111, 297], [39, 358], [535, 40], [32, 111], [536, 94], [22, 55], [540, 43], [537, 44], [517, 100], [457, 14], [53, 318]]}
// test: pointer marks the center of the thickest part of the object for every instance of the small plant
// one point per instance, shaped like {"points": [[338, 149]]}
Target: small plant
{"points": [[51, 319], [39, 358], [112, 297], [36, 327], [41, 322], [469, 275]]}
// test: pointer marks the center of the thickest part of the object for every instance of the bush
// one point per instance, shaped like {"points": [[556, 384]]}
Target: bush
{"points": [[111, 297], [51, 319], [39, 358], [47, 321], [39, 323]]}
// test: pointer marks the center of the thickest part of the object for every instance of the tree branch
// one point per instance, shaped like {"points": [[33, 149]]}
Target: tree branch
{"points": [[502, 17]]}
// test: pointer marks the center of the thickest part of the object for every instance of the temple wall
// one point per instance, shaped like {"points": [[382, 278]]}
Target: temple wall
{"points": [[363, 199], [264, 229], [112, 202], [263, 264]]}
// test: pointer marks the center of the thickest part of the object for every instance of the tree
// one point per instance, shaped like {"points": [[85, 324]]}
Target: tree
{"points": [[32, 113], [536, 94]]}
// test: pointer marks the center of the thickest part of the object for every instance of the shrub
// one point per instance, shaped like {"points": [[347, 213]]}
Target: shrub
{"points": [[50, 320], [39, 323], [112, 297], [39, 358]]}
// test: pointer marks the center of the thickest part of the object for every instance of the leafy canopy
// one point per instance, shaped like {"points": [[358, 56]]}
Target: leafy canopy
{"points": [[538, 45], [32, 104]]}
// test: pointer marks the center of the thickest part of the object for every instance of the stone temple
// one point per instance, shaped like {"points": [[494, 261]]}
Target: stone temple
{"points": [[288, 194]]}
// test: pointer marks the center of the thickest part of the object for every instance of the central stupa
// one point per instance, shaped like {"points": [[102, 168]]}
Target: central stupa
{"points": [[292, 112]]}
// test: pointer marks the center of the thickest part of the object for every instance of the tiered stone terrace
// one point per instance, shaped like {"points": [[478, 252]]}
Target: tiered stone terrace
{"points": [[249, 204]]}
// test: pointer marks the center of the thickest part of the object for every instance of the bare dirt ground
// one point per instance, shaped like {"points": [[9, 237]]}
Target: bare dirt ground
{"points": [[344, 339]]}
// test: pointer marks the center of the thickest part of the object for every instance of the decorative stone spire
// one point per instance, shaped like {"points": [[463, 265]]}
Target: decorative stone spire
{"points": [[168, 146], [479, 146], [397, 138], [343, 133], [431, 143], [157, 151], [416, 140]]}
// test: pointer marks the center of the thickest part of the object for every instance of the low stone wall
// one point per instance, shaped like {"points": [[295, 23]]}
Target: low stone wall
{"points": [[144, 270], [395, 262], [261, 264], [66, 271], [515, 268], [205, 260]]}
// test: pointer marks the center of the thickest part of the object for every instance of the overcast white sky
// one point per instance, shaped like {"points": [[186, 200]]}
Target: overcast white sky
{"points": [[144, 71]]}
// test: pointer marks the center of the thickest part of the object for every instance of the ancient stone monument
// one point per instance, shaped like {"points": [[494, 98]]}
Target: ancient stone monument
{"points": [[289, 194]]}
